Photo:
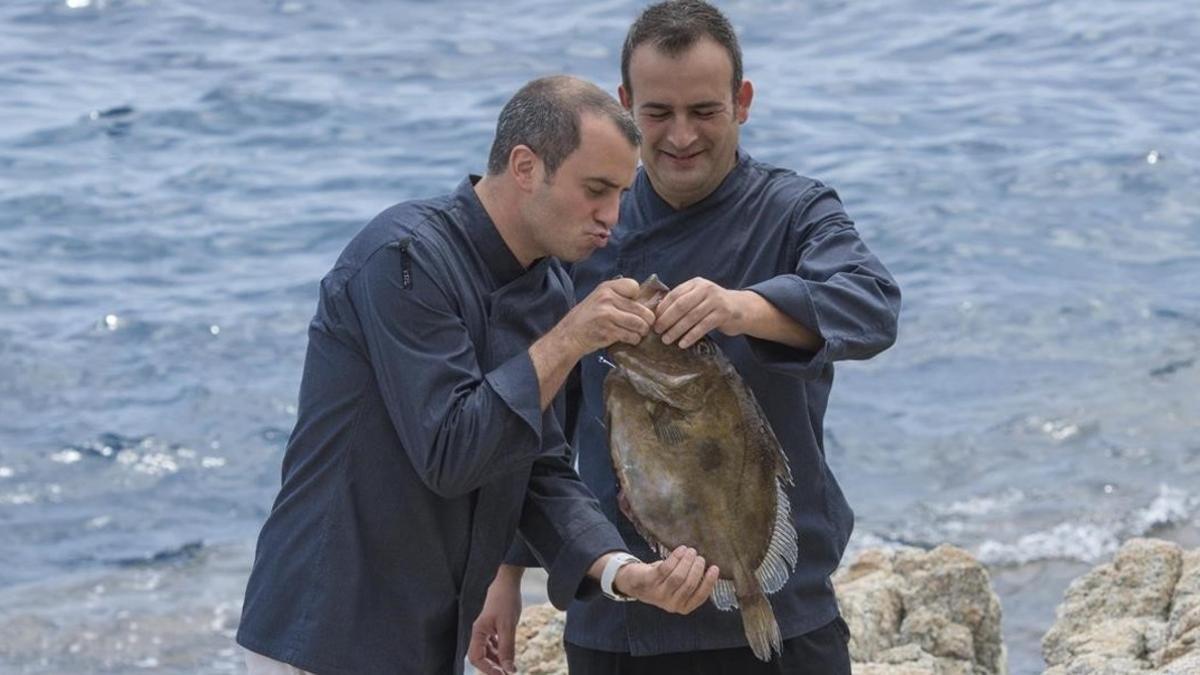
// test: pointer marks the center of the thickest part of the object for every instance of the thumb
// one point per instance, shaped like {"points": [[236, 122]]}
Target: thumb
{"points": [[625, 286]]}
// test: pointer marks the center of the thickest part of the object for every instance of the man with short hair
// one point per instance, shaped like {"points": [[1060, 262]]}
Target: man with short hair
{"points": [[430, 420], [768, 262]]}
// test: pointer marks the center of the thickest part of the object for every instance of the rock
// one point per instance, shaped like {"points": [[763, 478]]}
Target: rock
{"points": [[1140, 613], [1183, 624], [910, 612], [539, 648], [928, 612], [876, 609], [914, 612]]}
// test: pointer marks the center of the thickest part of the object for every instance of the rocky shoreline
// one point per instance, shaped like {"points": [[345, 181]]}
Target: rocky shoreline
{"points": [[915, 612]]}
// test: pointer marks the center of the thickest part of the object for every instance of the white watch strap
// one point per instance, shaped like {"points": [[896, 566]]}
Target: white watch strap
{"points": [[616, 562]]}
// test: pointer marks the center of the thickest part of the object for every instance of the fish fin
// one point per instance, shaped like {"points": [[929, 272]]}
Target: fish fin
{"points": [[759, 434], [783, 551], [653, 388], [758, 621], [724, 595], [663, 419], [655, 547]]}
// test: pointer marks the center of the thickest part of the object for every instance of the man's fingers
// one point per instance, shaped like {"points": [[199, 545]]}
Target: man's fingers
{"points": [[667, 300], [670, 313], [698, 331], [631, 320], [629, 337], [678, 292], [506, 646], [477, 652], [685, 323], [494, 660], [635, 308], [694, 575], [704, 590], [666, 566], [493, 667], [678, 576], [624, 287], [670, 586]]}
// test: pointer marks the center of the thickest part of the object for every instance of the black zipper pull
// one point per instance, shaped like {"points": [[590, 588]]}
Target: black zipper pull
{"points": [[405, 264]]}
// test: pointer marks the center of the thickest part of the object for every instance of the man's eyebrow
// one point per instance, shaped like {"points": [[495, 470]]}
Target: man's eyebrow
{"points": [[605, 181], [695, 106]]}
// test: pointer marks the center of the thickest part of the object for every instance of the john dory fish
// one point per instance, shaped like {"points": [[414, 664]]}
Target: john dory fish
{"points": [[699, 466]]}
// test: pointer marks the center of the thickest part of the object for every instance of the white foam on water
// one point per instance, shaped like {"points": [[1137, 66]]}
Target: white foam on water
{"points": [[1172, 505], [1091, 542], [1060, 430], [983, 505], [68, 456], [1071, 541], [868, 540]]}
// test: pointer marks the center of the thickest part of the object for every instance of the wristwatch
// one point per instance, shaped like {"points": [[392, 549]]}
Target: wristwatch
{"points": [[616, 562]]}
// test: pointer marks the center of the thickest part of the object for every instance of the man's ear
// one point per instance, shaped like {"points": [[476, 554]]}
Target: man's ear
{"points": [[743, 98], [625, 96], [525, 167]]}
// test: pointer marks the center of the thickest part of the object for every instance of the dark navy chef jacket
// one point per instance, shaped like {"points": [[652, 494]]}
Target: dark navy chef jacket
{"points": [[419, 451], [788, 239]]}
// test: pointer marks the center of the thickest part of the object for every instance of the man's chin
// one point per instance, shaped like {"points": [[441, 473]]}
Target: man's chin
{"points": [[674, 173], [577, 256], [683, 184]]}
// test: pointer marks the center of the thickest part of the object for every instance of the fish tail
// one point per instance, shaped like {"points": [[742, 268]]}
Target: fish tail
{"points": [[762, 632]]}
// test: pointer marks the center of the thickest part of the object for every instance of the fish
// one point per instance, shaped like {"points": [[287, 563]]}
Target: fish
{"points": [[699, 465]]}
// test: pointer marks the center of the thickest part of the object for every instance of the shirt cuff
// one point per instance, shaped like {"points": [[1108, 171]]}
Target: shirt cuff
{"points": [[790, 295], [515, 382], [568, 578], [520, 555]]}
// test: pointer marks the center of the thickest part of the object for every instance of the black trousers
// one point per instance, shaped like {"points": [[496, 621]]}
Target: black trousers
{"points": [[821, 652]]}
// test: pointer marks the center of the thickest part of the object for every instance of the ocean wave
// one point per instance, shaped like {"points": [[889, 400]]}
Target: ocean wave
{"points": [[1091, 542]]}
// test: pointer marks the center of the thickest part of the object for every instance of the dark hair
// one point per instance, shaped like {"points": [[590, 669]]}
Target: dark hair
{"points": [[545, 116], [672, 27]]}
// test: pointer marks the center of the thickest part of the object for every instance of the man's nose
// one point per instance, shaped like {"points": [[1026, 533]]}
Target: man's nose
{"points": [[608, 212], [682, 133]]}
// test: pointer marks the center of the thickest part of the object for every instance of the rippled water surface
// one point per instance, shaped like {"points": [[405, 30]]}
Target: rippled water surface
{"points": [[175, 177]]}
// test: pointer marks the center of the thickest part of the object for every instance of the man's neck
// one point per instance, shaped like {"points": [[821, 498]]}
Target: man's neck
{"points": [[500, 202]]}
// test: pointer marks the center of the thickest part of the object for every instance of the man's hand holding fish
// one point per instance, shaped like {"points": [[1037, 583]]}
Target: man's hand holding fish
{"points": [[678, 584]]}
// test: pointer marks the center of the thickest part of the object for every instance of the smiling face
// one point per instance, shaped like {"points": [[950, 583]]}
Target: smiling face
{"points": [[573, 213], [689, 117]]}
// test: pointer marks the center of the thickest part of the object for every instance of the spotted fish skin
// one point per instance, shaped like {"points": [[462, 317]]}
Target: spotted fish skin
{"points": [[700, 466]]}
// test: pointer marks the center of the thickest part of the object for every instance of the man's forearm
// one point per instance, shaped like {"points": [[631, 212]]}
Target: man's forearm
{"points": [[761, 319], [553, 356], [510, 574]]}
